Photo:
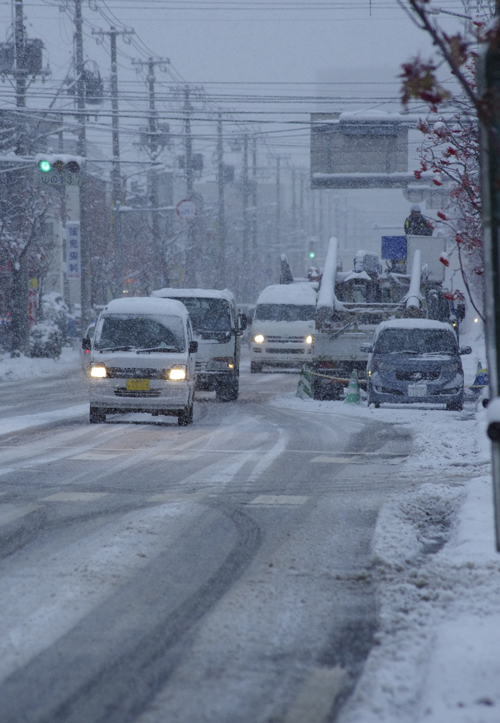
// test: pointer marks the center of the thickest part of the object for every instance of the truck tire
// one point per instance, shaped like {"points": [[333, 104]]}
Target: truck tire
{"points": [[185, 416], [227, 392], [97, 416], [255, 368]]}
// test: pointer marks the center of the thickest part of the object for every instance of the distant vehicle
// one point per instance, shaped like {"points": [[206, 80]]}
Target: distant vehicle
{"points": [[415, 360], [283, 326], [142, 360], [85, 353], [217, 328]]}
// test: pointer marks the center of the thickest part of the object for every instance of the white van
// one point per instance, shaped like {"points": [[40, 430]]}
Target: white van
{"points": [[283, 326], [217, 328], [142, 360]]}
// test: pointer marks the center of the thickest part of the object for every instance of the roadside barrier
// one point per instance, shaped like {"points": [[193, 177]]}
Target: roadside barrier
{"points": [[304, 388]]}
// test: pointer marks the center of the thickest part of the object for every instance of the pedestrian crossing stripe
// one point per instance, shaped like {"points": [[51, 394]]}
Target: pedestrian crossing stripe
{"points": [[334, 460], [279, 500], [74, 497]]}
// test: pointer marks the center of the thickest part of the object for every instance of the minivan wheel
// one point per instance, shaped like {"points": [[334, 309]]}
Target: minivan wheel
{"points": [[97, 416], [455, 406], [255, 368], [185, 417]]}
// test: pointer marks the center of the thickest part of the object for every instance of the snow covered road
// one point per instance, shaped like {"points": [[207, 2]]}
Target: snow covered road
{"points": [[152, 573]]}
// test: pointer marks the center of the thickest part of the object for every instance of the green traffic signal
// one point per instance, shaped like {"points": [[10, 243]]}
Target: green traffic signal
{"points": [[312, 254], [45, 166]]}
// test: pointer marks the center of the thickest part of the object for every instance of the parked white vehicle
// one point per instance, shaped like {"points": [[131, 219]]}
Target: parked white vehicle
{"points": [[142, 360], [283, 326], [217, 328]]}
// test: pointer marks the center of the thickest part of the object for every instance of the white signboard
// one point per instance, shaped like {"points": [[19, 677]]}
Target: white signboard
{"points": [[187, 209], [73, 250]]}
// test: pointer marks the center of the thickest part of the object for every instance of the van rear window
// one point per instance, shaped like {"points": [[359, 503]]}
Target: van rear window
{"points": [[284, 312]]}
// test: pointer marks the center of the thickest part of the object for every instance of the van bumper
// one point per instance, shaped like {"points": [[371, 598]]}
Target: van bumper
{"points": [[162, 396]]}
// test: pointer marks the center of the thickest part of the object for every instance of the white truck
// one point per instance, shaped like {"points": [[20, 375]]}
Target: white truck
{"points": [[217, 327]]}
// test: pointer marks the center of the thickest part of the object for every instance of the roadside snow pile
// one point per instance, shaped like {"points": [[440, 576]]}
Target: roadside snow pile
{"points": [[18, 368]]}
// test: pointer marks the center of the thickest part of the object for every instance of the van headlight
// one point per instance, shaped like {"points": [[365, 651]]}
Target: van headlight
{"points": [[98, 371], [259, 338], [177, 373], [309, 339]]}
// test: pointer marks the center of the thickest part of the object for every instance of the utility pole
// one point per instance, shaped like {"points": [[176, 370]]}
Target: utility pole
{"points": [[116, 190], [278, 203], [246, 222], [294, 234], [82, 151], [254, 254], [191, 251], [154, 147], [221, 215]]}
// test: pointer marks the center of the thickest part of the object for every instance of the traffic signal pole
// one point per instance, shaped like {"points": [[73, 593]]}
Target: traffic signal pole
{"points": [[82, 151]]}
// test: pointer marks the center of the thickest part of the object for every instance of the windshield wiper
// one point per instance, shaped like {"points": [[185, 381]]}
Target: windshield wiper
{"points": [[117, 348], [156, 348]]}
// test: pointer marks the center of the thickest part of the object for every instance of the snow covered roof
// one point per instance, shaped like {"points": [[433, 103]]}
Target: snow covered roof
{"points": [[145, 305], [413, 324], [301, 294], [195, 293]]}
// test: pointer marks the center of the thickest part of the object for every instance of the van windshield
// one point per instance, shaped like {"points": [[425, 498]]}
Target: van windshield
{"points": [[416, 341], [284, 312], [207, 314], [135, 332]]}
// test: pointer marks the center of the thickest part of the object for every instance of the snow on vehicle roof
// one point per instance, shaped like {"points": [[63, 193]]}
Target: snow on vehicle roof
{"points": [[301, 294], [195, 293], [413, 324], [145, 305]]}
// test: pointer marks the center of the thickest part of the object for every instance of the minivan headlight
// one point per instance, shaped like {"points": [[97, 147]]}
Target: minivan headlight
{"points": [[309, 339], [98, 371], [177, 373], [259, 338]]}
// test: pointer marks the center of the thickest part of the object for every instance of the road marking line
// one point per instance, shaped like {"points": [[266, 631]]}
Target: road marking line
{"points": [[173, 497], [174, 457], [8, 512], [316, 697], [94, 456], [279, 500], [334, 460], [74, 497]]}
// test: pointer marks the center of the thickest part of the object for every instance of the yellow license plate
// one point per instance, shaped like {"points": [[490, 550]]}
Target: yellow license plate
{"points": [[137, 385]]}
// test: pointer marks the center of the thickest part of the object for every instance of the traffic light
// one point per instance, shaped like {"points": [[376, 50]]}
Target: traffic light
{"points": [[59, 169], [312, 250]]}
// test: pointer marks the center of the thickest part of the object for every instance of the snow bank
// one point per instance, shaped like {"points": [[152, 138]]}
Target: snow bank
{"points": [[18, 368]]}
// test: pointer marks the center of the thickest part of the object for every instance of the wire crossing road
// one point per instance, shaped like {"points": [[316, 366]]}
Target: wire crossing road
{"points": [[218, 572]]}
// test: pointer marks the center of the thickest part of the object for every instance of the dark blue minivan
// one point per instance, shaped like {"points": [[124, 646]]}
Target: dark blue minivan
{"points": [[415, 360]]}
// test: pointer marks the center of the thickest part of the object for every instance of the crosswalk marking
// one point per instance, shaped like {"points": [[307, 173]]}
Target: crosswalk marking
{"points": [[74, 497], [94, 456], [173, 457], [172, 497], [9, 513], [279, 500], [335, 460]]}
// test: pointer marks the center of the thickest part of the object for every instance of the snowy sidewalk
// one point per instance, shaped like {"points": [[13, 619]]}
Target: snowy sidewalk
{"points": [[436, 657], [19, 368]]}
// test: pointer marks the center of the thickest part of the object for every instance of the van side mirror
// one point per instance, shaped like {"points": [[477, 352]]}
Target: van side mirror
{"points": [[367, 348], [243, 322], [86, 343], [193, 347], [465, 350]]}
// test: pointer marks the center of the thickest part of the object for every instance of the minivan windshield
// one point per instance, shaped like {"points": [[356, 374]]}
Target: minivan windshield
{"points": [[285, 312], [207, 314], [416, 341], [140, 332]]}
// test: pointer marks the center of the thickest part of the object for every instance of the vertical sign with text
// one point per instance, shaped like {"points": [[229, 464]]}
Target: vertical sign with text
{"points": [[73, 251]]}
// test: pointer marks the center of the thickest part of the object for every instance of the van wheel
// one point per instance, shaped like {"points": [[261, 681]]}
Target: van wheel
{"points": [[97, 416], [255, 368], [185, 417], [228, 392], [455, 406]]}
